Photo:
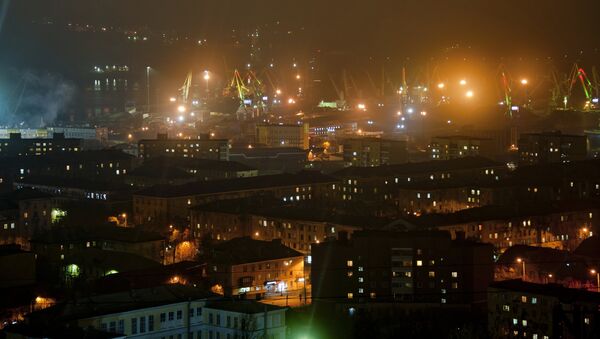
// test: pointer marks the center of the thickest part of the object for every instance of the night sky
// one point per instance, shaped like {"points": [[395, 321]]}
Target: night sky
{"points": [[383, 25]]}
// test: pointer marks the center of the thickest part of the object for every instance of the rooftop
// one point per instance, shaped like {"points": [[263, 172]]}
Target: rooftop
{"points": [[242, 306], [71, 182], [196, 163], [495, 212], [87, 307], [551, 290], [237, 184], [123, 234], [247, 250], [275, 208], [418, 167]]}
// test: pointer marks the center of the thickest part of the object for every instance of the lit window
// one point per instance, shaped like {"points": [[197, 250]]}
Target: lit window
{"points": [[361, 291], [431, 274], [515, 321], [524, 322], [534, 300], [506, 308], [349, 263], [350, 295], [586, 321], [454, 274], [361, 279], [419, 262], [523, 298]]}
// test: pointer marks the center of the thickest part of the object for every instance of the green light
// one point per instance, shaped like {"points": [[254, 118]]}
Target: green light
{"points": [[57, 214], [72, 271]]}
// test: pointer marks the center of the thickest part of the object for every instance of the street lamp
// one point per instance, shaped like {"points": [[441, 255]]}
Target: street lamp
{"points": [[597, 279], [148, 88], [463, 82], [206, 77], [521, 261], [469, 94]]}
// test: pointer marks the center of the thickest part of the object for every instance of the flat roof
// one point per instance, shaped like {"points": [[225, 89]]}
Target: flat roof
{"points": [[237, 184]]}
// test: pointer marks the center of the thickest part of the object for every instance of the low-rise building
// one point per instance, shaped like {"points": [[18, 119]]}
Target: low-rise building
{"points": [[542, 311], [551, 147], [561, 225], [276, 135], [58, 242], [298, 226], [162, 146], [16, 146], [375, 190], [245, 266], [370, 152], [456, 146], [168, 311], [25, 213], [271, 160], [170, 204]]}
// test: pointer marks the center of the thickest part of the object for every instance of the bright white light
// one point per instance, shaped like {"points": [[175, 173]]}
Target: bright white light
{"points": [[181, 109], [362, 107], [463, 82], [172, 99], [524, 81], [206, 76], [181, 118], [410, 111], [441, 85], [469, 94]]}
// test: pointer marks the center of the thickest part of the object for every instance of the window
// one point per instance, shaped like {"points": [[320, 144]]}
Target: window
{"points": [[515, 321], [419, 262], [431, 274], [523, 298], [534, 300], [134, 327], [150, 323], [163, 317], [349, 263], [121, 327], [350, 295], [112, 327], [506, 308], [218, 319], [361, 279], [210, 318], [228, 321], [179, 314], [454, 274], [142, 324], [198, 311], [524, 322], [171, 316]]}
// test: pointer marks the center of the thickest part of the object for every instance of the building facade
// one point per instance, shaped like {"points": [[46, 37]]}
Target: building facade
{"points": [[215, 149], [370, 152], [272, 135], [551, 147]]}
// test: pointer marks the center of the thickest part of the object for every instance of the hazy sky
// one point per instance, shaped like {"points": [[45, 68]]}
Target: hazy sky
{"points": [[508, 23]]}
